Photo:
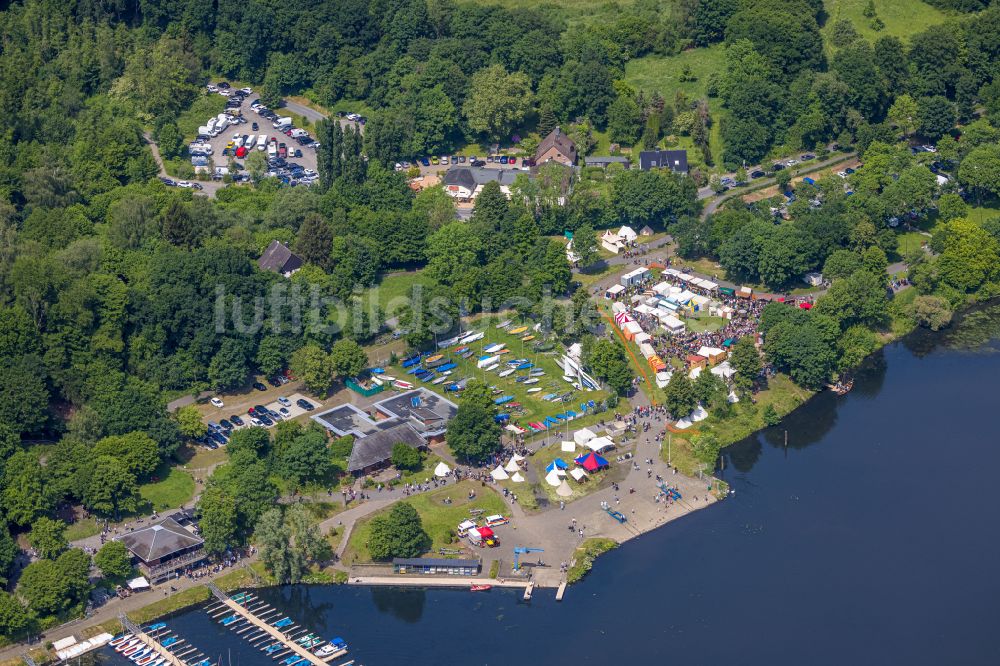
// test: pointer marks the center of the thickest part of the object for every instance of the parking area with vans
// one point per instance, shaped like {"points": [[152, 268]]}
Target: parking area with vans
{"points": [[246, 128]]}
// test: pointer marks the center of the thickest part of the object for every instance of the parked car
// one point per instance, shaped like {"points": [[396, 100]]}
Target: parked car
{"points": [[169, 182], [226, 425], [503, 159], [235, 418], [284, 401], [512, 161], [284, 412], [424, 161], [254, 421], [266, 420], [807, 157], [478, 163], [305, 404], [454, 159], [212, 425], [461, 159], [217, 402], [259, 386], [757, 174], [777, 166]]}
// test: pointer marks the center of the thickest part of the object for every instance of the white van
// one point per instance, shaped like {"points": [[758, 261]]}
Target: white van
{"points": [[251, 140], [464, 527], [297, 132], [283, 122], [272, 148], [262, 142], [238, 142]]}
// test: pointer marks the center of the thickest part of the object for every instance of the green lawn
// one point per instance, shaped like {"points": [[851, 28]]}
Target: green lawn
{"points": [[392, 289], [170, 493], [662, 73], [980, 214], [902, 18], [82, 529], [703, 324], [439, 519], [533, 408]]}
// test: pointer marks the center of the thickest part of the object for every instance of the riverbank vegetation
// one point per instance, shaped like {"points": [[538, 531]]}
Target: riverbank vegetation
{"points": [[584, 556]]}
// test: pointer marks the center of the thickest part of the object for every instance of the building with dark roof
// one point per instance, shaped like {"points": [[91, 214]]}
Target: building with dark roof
{"points": [[416, 418], [373, 452], [465, 183], [164, 548], [556, 147], [277, 258], [675, 160]]}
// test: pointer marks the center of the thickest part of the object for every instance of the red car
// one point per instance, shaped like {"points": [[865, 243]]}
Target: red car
{"points": [[241, 151], [512, 160]]}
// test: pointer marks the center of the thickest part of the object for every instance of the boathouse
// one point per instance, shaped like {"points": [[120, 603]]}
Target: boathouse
{"points": [[435, 565], [164, 548]]}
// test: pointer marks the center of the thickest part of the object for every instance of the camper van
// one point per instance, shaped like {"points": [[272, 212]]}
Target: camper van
{"points": [[464, 527], [285, 122], [251, 140], [262, 142]]}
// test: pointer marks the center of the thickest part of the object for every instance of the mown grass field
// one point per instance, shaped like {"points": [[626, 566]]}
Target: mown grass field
{"points": [[392, 289], [902, 18], [170, 492], [439, 519], [533, 408]]}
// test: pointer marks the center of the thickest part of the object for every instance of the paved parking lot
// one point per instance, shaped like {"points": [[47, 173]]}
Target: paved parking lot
{"points": [[308, 159]]}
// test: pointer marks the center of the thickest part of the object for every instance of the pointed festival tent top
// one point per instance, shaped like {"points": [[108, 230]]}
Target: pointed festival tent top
{"points": [[552, 478], [517, 478], [512, 466], [591, 462], [441, 469], [558, 463], [517, 458], [499, 474], [564, 490]]}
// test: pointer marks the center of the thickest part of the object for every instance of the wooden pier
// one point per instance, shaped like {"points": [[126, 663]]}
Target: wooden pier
{"points": [[561, 591], [273, 632], [150, 642]]}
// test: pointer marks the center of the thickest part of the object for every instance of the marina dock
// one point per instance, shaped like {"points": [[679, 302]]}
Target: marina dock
{"points": [[277, 635], [178, 647]]}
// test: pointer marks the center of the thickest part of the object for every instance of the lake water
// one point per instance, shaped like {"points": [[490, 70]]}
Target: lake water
{"points": [[870, 539]]}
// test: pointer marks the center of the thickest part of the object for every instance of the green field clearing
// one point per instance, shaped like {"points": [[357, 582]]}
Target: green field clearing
{"points": [[662, 73], [439, 519], [902, 18], [169, 493], [533, 408], [392, 290]]}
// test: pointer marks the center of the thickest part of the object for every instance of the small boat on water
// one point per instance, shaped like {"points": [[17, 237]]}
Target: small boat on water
{"points": [[527, 338], [406, 386], [480, 588], [508, 371], [535, 389], [121, 647], [335, 645], [518, 330], [156, 627]]}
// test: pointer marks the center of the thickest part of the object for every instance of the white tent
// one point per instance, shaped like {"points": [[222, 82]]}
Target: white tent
{"points": [[583, 435], [499, 474], [512, 466], [724, 370], [663, 378], [564, 490], [627, 233], [553, 478], [695, 371], [517, 458], [569, 447], [139, 583], [643, 338], [733, 397], [646, 350], [684, 423], [441, 469], [517, 478], [599, 444], [699, 414], [578, 474]]}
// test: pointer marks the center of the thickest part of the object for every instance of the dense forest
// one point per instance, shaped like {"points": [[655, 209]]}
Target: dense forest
{"points": [[118, 293]]}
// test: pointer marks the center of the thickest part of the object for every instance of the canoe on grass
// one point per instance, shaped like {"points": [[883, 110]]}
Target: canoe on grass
{"points": [[518, 330]]}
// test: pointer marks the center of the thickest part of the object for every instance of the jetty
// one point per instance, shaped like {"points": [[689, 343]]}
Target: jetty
{"points": [[282, 636], [193, 657]]}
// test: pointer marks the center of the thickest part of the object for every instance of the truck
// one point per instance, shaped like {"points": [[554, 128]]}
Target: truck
{"points": [[262, 142], [283, 122]]}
